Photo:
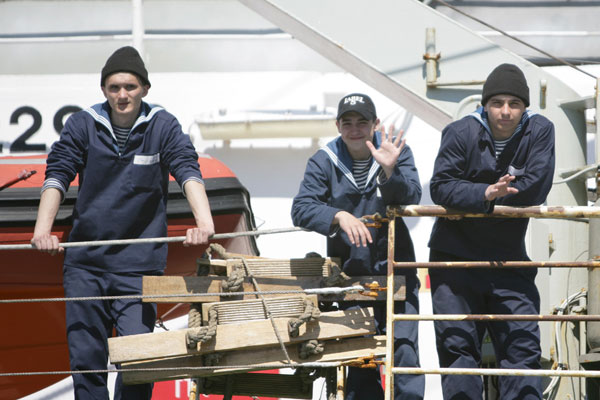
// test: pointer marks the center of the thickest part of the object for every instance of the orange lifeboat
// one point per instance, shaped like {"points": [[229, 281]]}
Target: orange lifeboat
{"points": [[33, 335]]}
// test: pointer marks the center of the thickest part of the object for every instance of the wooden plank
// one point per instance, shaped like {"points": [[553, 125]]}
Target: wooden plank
{"points": [[312, 266], [172, 285], [261, 385], [184, 367], [231, 312], [254, 334]]}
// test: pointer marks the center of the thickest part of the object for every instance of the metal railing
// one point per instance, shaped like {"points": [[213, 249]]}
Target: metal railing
{"points": [[499, 212]]}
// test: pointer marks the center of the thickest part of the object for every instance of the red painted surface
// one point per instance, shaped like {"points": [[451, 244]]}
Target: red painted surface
{"points": [[210, 167], [179, 389], [33, 335]]}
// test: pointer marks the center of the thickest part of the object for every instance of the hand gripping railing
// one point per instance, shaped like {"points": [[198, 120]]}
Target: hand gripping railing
{"points": [[499, 212]]}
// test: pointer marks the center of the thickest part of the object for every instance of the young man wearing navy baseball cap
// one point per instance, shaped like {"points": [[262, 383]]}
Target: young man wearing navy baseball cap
{"points": [[359, 173]]}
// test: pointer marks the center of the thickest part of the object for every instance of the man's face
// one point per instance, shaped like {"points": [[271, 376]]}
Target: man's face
{"points": [[124, 93], [356, 130], [504, 114]]}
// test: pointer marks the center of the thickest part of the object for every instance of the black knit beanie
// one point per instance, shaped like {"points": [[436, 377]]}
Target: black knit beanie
{"points": [[506, 79], [125, 59]]}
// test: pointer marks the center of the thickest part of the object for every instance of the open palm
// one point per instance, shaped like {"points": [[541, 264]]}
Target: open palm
{"points": [[389, 150]]}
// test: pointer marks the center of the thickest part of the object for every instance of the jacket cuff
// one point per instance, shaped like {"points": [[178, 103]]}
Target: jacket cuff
{"points": [[193, 178], [56, 184]]}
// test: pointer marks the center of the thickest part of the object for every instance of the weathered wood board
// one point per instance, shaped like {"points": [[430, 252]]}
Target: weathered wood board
{"points": [[172, 285], [261, 385], [248, 360], [231, 312], [254, 334]]}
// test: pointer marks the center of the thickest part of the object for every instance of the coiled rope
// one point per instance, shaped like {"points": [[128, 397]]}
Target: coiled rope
{"points": [[202, 334], [310, 313]]}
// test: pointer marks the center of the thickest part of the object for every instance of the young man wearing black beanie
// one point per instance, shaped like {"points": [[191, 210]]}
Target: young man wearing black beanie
{"points": [[500, 154], [123, 151]]}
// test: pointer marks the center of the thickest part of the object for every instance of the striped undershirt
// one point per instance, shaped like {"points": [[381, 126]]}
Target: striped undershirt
{"points": [[121, 134], [360, 171], [500, 145]]}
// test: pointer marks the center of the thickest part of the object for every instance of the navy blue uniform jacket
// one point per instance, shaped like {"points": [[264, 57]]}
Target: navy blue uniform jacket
{"points": [[121, 195], [466, 165], [329, 187]]}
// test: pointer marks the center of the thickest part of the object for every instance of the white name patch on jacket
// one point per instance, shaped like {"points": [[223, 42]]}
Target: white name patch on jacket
{"points": [[140, 159], [515, 172]]}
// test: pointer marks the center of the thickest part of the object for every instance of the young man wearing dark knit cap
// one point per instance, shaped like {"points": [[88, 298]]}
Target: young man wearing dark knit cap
{"points": [[359, 173], [502, 154], [123, 151]]}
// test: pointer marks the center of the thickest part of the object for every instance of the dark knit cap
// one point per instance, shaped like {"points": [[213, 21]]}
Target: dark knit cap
{"points": [[357, 102], [506, 79], [125, 59]]}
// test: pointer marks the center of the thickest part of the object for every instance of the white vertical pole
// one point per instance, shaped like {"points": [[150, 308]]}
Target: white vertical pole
{"points": [[137, 30]]}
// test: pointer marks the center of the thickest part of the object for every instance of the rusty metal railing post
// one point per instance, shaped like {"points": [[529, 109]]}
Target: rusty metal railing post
{"points": [[389, 315]]}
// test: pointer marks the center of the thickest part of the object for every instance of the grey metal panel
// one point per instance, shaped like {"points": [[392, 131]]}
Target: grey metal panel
{"points": [[563, 28]]}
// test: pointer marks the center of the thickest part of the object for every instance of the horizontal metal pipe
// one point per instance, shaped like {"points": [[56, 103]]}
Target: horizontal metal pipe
{"points": [[457, 83], [493, 317], [498, 264], [117, 242], [558, 212], [496, 372]]}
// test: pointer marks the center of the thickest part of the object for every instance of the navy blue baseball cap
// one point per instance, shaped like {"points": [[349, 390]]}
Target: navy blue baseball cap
{"points": [[359, 103]]}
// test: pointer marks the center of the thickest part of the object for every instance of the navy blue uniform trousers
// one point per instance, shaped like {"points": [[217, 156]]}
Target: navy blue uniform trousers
{"points": [[363, 384], [90, 324], [516, 343]]}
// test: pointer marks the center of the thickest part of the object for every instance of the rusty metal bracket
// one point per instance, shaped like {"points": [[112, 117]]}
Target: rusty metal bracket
{"points": [[373, 221], [364, 362], [374, 288]]}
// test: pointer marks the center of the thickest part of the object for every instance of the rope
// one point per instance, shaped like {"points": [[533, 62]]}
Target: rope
{"points": [[309, 348], [496, 372], [310, 312], [220, 250], [497, 264], [560, 60], [204, 333], [493, 317], [234, 282], [115, 242], [195, 316], [333, 364], [322, 291], [336, 277], [316, 364]]}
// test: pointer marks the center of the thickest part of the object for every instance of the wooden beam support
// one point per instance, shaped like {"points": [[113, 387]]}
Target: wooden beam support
{"points": [[186, 367], [261, 385], [254, 334], [171, 285]]}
